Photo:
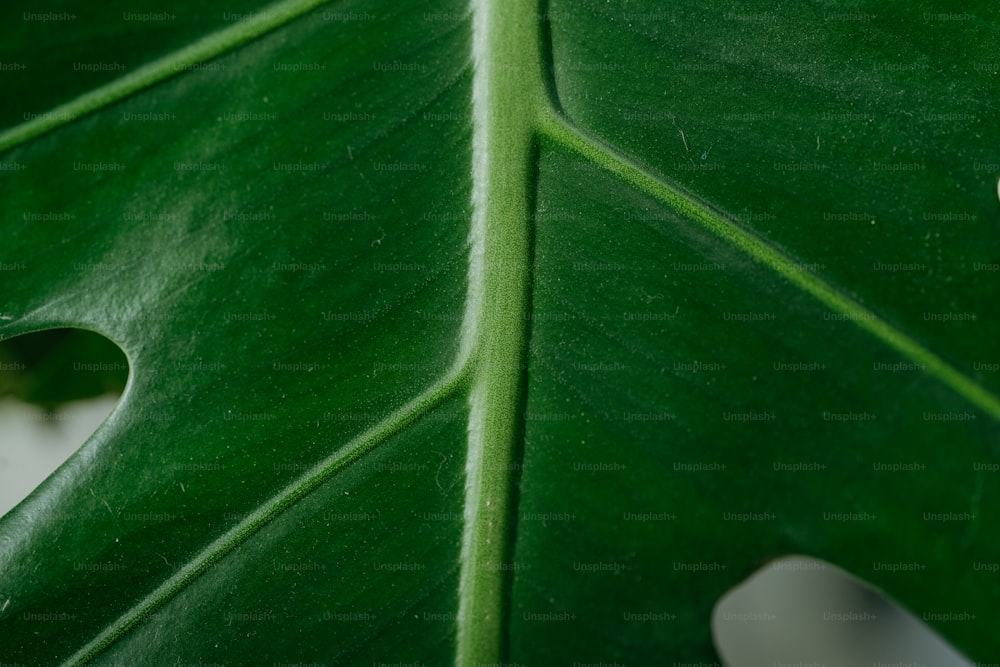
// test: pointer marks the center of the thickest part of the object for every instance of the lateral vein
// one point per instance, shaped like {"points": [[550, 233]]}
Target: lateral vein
{"points": [[271, 508], [555, 127], [204, 49]]}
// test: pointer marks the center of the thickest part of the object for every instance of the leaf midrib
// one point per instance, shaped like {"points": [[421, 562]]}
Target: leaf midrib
{"points": [[541, 119]]}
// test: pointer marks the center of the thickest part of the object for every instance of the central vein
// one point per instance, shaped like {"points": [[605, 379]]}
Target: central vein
{"points": [[508, 92]]}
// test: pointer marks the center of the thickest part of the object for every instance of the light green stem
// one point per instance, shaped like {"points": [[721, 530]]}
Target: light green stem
{"points": [[508, 97]]}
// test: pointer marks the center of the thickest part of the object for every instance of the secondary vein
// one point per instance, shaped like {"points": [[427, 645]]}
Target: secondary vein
{"points": [[556, 128], [204, 49], [455, 381]]}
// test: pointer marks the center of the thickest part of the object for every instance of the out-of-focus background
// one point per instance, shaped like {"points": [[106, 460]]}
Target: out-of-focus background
{"points": [[803, 612], [56, 387], [36, 441]]}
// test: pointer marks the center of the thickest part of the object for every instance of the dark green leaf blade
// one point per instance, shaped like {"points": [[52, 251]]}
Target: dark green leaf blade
{"points": [[858, 139], [255, 258], [692, 415], [91, 45], [365, 570], [287, 264]]}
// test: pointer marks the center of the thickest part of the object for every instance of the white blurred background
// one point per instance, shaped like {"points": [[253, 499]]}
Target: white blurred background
{"points": [[36, 442]]}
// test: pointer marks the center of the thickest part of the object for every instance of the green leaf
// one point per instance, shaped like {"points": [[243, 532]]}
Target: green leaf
{"points": [[95, 45], [469, 334]]}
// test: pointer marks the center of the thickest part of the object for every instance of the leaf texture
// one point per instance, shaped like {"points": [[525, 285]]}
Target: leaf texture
{"points": [[509, 333]]}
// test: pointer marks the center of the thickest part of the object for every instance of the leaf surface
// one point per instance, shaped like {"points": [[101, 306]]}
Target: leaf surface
{"points": [[506, 333]]}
